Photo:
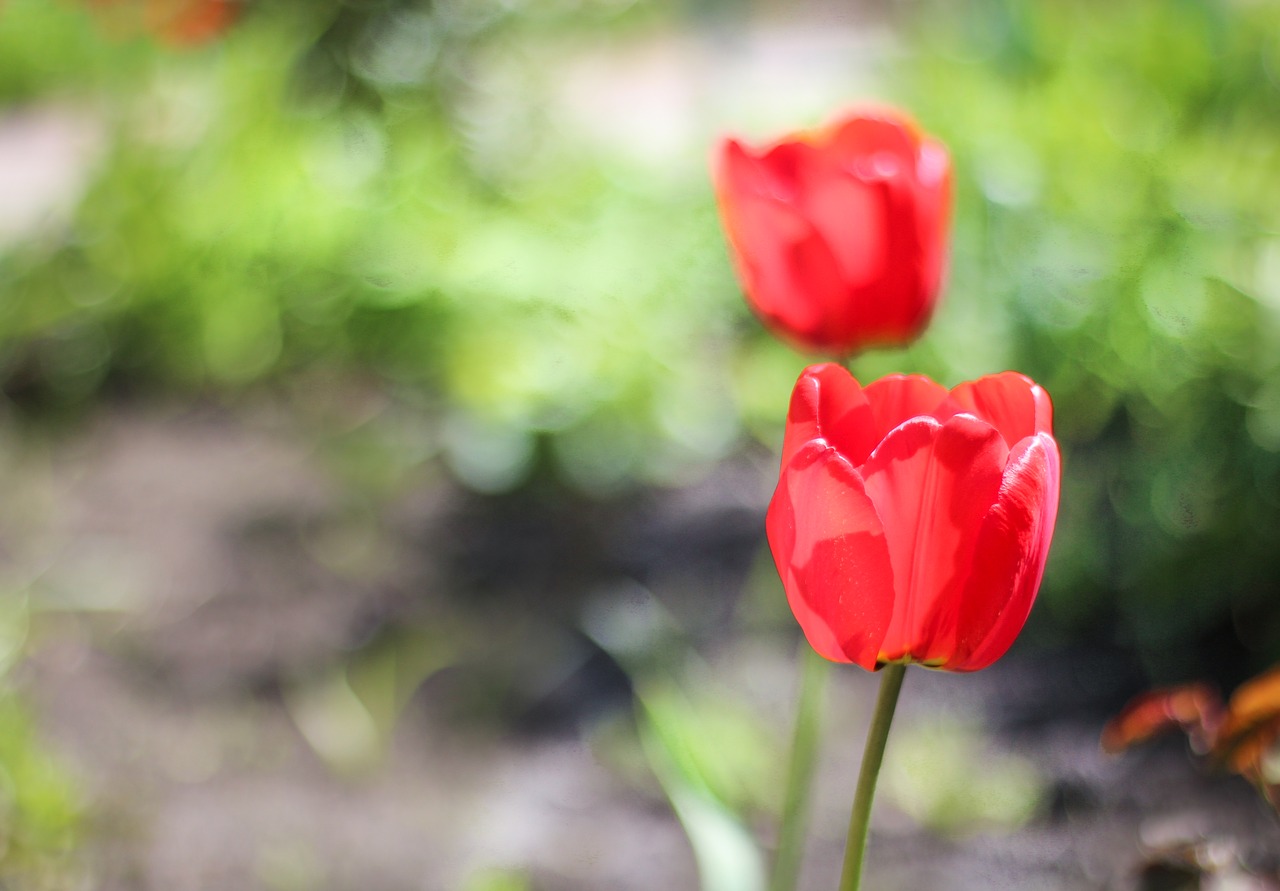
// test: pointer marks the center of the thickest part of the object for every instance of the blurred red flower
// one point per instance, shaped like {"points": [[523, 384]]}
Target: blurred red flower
{"points": [[839, 236], [192, 22], [912, 523], [178, 23]]}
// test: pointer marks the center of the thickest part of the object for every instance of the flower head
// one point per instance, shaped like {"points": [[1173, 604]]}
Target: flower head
{"points": [[839, 235], [912, 523]]}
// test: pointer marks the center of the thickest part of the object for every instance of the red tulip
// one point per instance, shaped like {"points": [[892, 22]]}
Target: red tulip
{"points": [[911, 524], [839, 236]]}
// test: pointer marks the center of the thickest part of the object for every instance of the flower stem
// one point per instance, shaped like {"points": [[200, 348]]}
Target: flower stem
{"points": [[804, 749], [860, 821]]}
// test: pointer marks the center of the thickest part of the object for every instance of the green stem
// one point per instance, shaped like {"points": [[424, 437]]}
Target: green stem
{"points": [[860, 821], [804, 750]]}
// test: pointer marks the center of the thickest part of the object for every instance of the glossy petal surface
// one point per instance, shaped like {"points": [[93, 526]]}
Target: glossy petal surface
{"points": [[932, 485], [906, 525], [1010, 402], [830, 550], [1010, 556]]}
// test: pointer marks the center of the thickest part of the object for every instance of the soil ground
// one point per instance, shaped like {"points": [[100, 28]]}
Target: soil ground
{"points": [[207, 593]]}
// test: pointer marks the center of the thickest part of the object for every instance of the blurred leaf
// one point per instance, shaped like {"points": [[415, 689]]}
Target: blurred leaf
{"points": [[726, 854], [1196, 709], [335, 723], [714, 741], [1251, 728], [497, 880]]}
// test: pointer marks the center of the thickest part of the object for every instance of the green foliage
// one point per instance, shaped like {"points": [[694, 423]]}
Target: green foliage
{"points": [[394, 190], [242, 226], [39, 809], [698, 755], [1116, 234]]}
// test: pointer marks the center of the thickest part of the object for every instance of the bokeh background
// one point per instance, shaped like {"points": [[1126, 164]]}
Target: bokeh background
{"points": [[384, 443]]}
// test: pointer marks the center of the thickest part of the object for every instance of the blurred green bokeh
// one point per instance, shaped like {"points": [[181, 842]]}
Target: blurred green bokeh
{"points": [[1117, 240], [463, 206], [496, 216]]}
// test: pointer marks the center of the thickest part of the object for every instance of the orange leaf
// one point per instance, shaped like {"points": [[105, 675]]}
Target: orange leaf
{"points": [[1195, 709], [1251, 726]]}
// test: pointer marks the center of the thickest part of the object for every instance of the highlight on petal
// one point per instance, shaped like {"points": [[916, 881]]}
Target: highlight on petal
{"points": [[932, 484], [933, 170], [830, 550], [1009, 560], [933, 213], [1013, 403]]}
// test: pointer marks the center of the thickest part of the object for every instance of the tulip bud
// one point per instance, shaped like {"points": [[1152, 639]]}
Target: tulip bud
{"points": [[839, 236]]}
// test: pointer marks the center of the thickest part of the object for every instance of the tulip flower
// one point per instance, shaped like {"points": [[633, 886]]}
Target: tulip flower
{"points": [[911, 523], [839, 236]]}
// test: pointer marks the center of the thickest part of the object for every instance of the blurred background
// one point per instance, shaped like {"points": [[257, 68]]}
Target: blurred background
{"points": [[384, 444]]}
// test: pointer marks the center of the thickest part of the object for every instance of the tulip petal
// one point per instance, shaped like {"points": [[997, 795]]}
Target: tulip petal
{"points": [[869, 226], [882, 150], [932, 484], [1009, 560], [875, 132], [1012, 403], [933, 212], [783, 164], [828, 404], [890, 237], [740, 171], [901, 397], [851, 215], [830, 550], [789, 273]]}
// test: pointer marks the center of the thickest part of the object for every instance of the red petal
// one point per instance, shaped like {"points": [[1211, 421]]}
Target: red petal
{"points": [[790, 276], [852, 216], [828, 404], [891, 250], [933, 215], [1010, 557], [829, 547], [1012, 403], [901, 397], [784, 163], [870, 229], [870, 132], [932, 484]]}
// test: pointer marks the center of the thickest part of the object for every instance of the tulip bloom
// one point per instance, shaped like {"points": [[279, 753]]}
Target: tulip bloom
{"points": [[911, 523], [839, 236]]}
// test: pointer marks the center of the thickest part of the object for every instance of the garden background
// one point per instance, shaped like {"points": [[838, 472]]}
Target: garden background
{"points": [[384, 443]]}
